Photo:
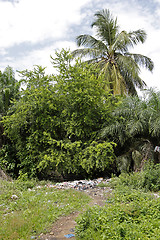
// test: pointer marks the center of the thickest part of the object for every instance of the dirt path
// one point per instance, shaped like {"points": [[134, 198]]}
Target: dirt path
{"points": [[64, 227]]}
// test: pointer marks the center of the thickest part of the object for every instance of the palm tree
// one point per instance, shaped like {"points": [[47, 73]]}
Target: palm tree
{"points": [[135, 129], [110, 51]]}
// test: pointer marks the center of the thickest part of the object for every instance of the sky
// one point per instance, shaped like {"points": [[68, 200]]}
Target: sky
{"points": [[32, 30]]}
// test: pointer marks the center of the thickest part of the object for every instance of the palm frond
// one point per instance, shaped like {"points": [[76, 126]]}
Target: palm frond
{"points": [[106, 26], [119, 86], [116, 131], [137, 127], [142, 60], [129, 70], [84, 52], [137, 36], [89, 41], [155, 127], [121, 42]]}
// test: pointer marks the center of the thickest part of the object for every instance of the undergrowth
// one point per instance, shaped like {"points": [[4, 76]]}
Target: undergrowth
{"points": [[147, 180], [132, 212]]}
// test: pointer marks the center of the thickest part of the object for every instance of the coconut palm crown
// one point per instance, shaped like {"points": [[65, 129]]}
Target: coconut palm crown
{"points": [[110, 51]]}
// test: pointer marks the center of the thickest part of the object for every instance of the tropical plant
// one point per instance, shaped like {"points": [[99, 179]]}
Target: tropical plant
{"points": [[136, 117], [131, 118], [135, 129], [110, 51]]}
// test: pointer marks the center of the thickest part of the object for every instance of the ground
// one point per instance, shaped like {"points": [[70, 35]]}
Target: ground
{"points": [[62, 228]]}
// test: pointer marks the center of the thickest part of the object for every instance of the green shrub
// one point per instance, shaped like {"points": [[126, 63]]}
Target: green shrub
{"points": [[147, 179], [151, 177]]}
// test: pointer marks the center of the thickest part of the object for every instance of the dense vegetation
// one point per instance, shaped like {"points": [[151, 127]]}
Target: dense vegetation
{"points": [[68, 124], [73, 123], [53, 126]]}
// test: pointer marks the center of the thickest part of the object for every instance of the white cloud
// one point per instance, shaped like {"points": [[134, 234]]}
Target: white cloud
{"points": [[36, 20], [39, 57]]}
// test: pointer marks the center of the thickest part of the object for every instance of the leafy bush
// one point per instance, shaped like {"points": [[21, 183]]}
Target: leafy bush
{"points": [[77, 157], [97, 156], [151, 177], [147, 179]]}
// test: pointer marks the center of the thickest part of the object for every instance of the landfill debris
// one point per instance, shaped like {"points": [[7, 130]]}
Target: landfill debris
{"points": [[80, 185], [69, 235]]}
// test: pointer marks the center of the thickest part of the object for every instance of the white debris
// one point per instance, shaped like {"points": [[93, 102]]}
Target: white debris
{"points": [[79, 185], [14, 197], [157, 149]]}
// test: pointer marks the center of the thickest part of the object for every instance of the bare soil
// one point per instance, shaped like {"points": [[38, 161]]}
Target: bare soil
{"points": [[66, 224]]}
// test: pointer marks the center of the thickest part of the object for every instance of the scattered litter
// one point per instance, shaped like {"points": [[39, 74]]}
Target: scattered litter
{"points": [[69, 235], [156, 195], [108, 201], [157, 149], [72, 230], [14, 197]]}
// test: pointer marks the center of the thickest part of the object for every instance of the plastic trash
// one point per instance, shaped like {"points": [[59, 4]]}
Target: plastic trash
{"points": [[69, 235]]}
